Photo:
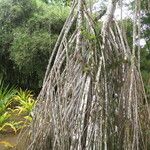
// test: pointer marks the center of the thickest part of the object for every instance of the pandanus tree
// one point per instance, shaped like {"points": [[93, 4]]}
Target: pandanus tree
{"points": [[92, 95]]}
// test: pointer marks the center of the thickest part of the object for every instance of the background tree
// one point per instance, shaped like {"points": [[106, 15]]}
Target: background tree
{"points": [[27, 35], [145, 52]]}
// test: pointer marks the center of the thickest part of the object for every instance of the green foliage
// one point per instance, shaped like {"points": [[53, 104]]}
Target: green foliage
{"points": [[31, 52], [145, 5], [4, 118], [145, 63], [6, 95], [6, 144], [146, 28], [59, 2], [15, 108], [15, 12], [29, 29], [145, 53], [14, 126], [25, 102]]}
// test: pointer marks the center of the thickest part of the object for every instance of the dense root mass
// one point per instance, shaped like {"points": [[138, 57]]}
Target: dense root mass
{"points": [[92, 96]]}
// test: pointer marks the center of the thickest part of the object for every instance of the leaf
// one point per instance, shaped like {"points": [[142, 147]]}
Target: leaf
{"points": [[28, 118], [6, 144], [12, 125]]}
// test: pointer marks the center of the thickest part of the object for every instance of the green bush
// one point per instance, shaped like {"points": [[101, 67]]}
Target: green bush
{"points": [[15, 12], [15, 108], [31, 52], [6, 95], [25, 101], [29, 29]]}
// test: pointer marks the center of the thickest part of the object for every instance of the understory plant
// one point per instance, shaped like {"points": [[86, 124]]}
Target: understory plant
{"points": [[25, 101], [15, 108], [6, 96]]}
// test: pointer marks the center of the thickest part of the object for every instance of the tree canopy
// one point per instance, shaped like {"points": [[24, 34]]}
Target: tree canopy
{"points": [[28, 32]]}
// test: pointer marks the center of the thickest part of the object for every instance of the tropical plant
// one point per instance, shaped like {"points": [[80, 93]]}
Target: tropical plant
{"points": [[10, 101], [4, 118], [8, 125], [25, 102], [6, 95], [6, 144], [13, 125]]}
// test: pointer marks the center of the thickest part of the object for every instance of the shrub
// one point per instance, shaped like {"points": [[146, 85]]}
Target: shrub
{"points": [[28, 34]]}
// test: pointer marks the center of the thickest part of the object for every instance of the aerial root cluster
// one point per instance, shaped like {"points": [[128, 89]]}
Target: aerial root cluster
{"points": [[92, 95]]}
